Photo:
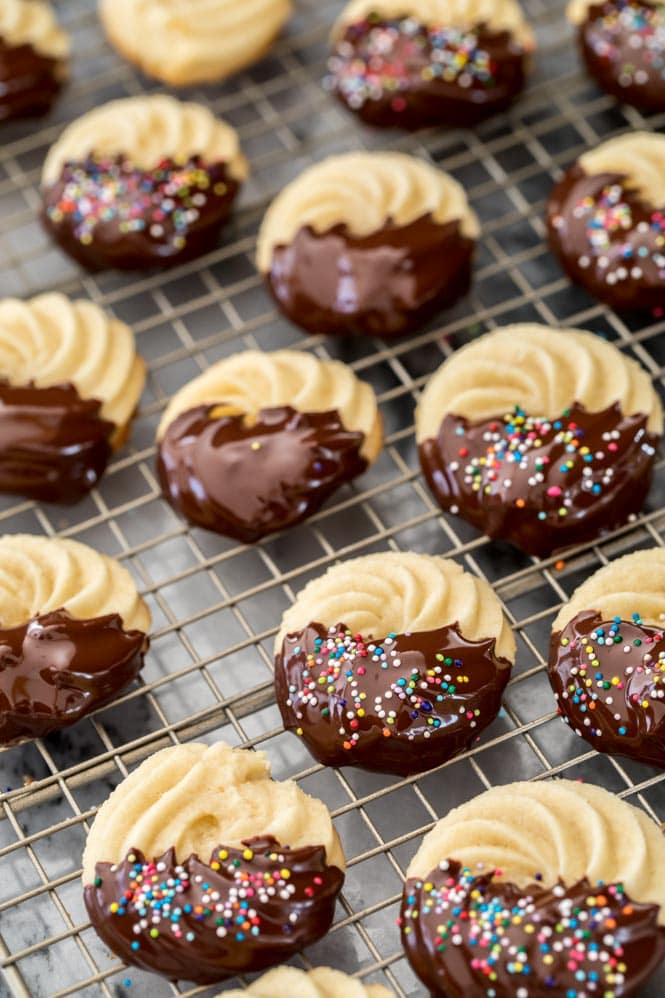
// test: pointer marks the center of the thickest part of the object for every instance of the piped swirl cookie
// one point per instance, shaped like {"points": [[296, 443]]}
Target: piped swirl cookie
{"points": [[260, 441], [606, 223], [70, 382], [541, 888], [141, 182], [183, 42], [34, 52], [413, 63], [607, 658], [541, 437], [72, 634], [368, 243], [199, 866], [622, 42], [392, 662], [322, 982]]}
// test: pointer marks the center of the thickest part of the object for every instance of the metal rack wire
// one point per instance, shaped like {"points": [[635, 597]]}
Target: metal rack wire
{"points": [[216, 605]]}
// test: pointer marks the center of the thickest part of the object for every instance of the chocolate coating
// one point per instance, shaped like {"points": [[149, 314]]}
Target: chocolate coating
{"points": [[229, 934], [608, 678], [54, 445], [397, 72], [55, 669], [384, 284], [441, 688], [608, 240], [472, 936], [248, 479], [110, 214], [590, 472], [29, 81], [623, 45]]}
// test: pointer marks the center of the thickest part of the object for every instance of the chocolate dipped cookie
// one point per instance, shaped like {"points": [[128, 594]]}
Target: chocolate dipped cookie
{"points": [[260, 440], [607, 658], [369, 244], [141, 182], [413, 63], [322, 982], [72, 634], [70, 383], [533, 889], [542, 437], [199, 866], [393, 662], [606, 223], [34, 53]]}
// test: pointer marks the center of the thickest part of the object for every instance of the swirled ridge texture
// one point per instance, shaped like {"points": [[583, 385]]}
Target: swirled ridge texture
{"points": [[363, 191], [495, 15], [541, 370], [193, 41], [147, 130], [638, 156], [401, 592], [39, 575], [195, 797], [32, 22], [557, 829], [322, 982], [253, 380], [52, 340], [628, 585]]}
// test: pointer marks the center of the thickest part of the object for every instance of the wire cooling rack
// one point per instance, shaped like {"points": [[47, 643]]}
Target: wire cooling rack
{"points": [[216, 605]]}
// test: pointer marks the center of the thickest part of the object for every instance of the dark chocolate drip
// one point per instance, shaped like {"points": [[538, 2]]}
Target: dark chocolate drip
{"points": [[622, 43], [54, 445], [608, 239], [29, 81], [55, 669], [245, 910], [109, 213], [542, 484], [400, 72], [402, 704], [384, 284], [470, 936], [609, 681], [246, 479]]}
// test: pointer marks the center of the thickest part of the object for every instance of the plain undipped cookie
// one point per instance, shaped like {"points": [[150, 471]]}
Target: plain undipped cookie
{"points": [[548, 887], [34, 53], [394, 662], [208, 830], [70, 382], [541, 437], [367, 243], [322, 982], [413, 63], [607, 658], [72, 633], [260, 440], [141, 182]]}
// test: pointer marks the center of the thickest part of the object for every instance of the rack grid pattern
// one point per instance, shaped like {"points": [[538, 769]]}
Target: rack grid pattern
{"points": [[216, 605]]}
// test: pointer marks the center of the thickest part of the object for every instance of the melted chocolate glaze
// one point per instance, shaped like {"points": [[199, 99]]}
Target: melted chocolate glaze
{"points": [[246, 480], [56, 669], [623, 51], [397, 72], [236, 925], [590, 473], [108, 213], [443, 689], [29, 81], [458, 929], [613, 698], [612, 243], [54, 445], [384, 284]]}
